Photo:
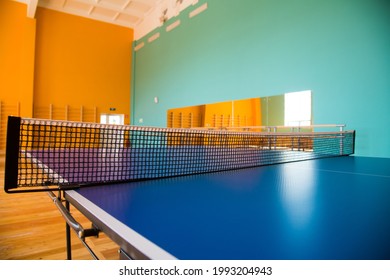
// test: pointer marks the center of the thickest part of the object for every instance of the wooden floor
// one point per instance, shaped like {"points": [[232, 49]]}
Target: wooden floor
{"points": [[31, 228]]}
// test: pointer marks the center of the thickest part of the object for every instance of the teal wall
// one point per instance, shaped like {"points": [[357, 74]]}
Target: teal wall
{"points": [[339, 49]]}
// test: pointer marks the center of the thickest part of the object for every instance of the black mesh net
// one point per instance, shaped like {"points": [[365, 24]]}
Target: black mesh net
{"points": [[70, 153]]}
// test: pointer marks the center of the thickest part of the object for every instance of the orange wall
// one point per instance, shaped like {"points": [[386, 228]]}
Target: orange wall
{"points": [[81, 62], [246, 112], [218, 114], [186, 117], [17, 46]]}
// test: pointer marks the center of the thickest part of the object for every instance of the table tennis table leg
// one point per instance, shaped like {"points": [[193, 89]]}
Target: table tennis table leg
{"points": [[68, 237]]}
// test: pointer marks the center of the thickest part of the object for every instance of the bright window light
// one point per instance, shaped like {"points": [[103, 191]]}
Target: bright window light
{"points": [[112, 119], [297, 108]]}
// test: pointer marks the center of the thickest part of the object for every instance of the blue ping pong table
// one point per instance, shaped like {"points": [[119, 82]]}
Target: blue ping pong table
{"points": [[332, 208]]}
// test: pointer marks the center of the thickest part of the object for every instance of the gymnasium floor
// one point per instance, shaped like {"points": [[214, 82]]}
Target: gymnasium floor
{"points": [[32, 228]]}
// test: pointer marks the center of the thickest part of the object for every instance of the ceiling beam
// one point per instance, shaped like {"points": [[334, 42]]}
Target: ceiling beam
{"points": [[32, 8]]}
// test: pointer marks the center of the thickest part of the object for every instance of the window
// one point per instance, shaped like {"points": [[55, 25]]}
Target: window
{"points": [[297, 108]]}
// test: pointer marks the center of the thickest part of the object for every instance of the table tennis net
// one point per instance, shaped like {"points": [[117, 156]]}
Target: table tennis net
{"points": [[61, 153]]}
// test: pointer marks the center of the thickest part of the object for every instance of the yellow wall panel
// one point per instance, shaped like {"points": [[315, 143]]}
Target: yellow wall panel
{"points": [[186, 117], [17, 51], [82, 62], [61, 66], [246, 112], [218, 114]]}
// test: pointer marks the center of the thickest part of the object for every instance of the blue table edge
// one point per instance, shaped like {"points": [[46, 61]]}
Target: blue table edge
{"points": [[135, 245]]}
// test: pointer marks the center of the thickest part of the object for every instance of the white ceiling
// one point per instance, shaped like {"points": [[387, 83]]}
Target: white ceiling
{"points": [[140, 15]]}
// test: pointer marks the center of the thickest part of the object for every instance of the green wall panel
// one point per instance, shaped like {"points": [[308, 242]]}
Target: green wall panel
{"points": [[339, 49]]}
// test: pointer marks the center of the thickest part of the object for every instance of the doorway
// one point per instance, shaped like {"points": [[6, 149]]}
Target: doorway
{"points": [[112, 119]]}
